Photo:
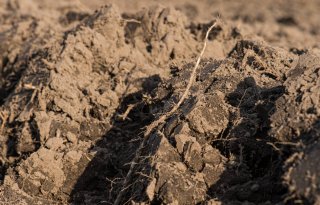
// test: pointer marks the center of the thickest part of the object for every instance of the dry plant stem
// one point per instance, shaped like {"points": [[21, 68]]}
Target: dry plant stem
{"points": [[163, 118]]}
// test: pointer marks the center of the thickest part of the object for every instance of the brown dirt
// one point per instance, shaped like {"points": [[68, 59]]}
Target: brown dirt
{"points": [[81, 80]]}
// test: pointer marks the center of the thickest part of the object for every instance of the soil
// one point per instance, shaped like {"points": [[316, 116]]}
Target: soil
{"points": [[81, 80]]}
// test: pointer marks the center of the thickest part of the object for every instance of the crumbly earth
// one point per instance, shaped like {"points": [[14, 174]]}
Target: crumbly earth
{"points": [[81, 80]]}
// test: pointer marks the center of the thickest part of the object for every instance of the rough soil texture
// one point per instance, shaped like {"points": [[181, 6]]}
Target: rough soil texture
{"points": [[81, 80]]}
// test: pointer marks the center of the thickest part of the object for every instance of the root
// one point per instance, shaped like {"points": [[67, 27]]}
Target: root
{"points": [[165, 116], [124, 116], [132, 21], [162, 119], [129, 174]]}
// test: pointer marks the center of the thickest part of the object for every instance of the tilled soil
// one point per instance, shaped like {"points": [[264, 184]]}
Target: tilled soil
{"points": [[79, 86]]}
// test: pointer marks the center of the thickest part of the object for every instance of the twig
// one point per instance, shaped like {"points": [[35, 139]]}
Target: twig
{"points": [[162, 119]]}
